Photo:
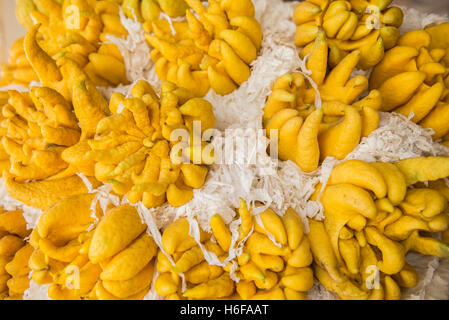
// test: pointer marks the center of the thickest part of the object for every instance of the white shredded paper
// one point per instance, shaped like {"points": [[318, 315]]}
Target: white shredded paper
{"points": [[287, 187]]}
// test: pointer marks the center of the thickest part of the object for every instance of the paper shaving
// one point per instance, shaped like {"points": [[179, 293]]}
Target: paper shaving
{"points": [[397, 138], [16, 87], [36, 292], [415, 19]]}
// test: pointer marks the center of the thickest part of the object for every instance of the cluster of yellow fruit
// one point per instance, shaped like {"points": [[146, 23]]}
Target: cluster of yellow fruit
{"points": [[72, 29], [18, 70], [147, 11], [413, 77], [48, 137], [265, 270], [41, 134], [112, 262], [134, 150], [213, 49], [370, 26], [307, 134], [375, 213], [14, 255], [37, 126]]}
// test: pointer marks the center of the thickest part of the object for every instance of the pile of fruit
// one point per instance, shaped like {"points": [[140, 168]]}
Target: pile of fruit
{"points": [[264, 270], [213, 48], [14, 255], [65, 147], [76, 263], [375, 213]]}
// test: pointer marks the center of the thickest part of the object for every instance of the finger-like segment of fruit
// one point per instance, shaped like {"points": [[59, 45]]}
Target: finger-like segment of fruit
{"points": [[392, 289], [66, 219], [361, 174], [395, 94], [43, 194], [393, 253], [394, 179], [397, 60], [259, 243], [273, 224], [307, 147], [346, 290], [302, 280], [246, 289], [437, 34], [128, 262], [119, 227], [422, 103], [437, 120], [339, 85], [407, 277], [126, 288], [247, 220], [166, 284], [10, 244], [422, 169], [176, 238], [426, 245], [221, 232], [18, 266], [349, 198], [14, 222], [301, 256], [317, 61], [202, 273], [41, 62], [65, 253], [223, 286], [370, 120], [339, 140], [350, 252], [293, 227], [188, 259], [322, 250], [424, 203]]}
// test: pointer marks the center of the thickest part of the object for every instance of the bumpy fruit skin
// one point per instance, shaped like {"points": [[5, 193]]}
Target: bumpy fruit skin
{"points": [[373, 217], [73, 29], [266, 270], [136, 149], [113, 261], [307, 134], [212, 49], [369, 26], [14, 255], [412, 78]]}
